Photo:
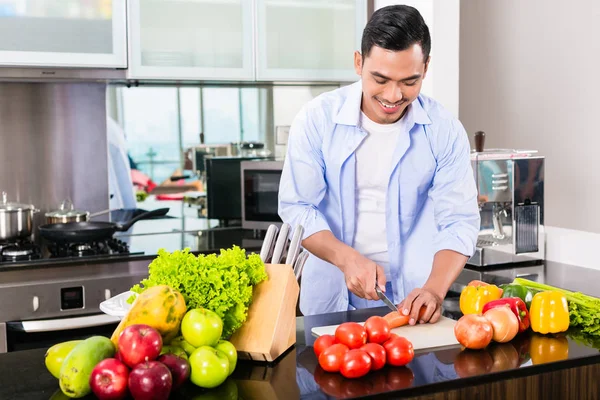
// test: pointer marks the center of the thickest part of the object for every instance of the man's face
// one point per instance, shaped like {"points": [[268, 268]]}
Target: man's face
{"points": [[391, 80]]}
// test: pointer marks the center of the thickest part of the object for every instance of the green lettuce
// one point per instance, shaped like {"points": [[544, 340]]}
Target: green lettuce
{"points": [[222, 283]]}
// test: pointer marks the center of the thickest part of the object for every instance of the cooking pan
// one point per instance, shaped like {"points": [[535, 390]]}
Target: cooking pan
{"points": [[77, 232]]}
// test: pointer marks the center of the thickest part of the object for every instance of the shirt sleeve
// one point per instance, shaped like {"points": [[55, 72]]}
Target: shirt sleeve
{"points": [[302, 186], [454, 193]]}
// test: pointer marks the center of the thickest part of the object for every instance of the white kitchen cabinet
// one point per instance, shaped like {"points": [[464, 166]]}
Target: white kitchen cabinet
{"points": [[308, 40], [65, 33], [191, 39]]}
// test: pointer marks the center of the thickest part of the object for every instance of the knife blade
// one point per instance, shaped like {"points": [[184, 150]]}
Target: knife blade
{"points": [[385, 299]]}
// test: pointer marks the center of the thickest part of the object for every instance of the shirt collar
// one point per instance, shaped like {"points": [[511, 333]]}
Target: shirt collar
{"points": [[349, 113]]}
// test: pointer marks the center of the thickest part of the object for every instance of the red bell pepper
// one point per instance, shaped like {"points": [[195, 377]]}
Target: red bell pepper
{"points": [[516, 305]]}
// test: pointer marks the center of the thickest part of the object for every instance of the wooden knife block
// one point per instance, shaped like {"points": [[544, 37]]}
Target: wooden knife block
{"points": [[270, 329]]}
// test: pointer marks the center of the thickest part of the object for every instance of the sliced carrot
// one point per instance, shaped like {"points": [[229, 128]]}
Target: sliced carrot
{"points": [[397, 319]]}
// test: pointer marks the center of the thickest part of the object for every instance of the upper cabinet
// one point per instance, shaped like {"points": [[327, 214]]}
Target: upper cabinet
{"points": [[65, 33], [308, 40], [191, 39]]}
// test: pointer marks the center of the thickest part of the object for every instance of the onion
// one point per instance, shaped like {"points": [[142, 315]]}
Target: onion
{"points": [[504, 322], [473, 331]]}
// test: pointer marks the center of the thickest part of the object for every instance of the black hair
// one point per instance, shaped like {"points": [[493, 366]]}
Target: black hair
{"points": [[396, 28]]}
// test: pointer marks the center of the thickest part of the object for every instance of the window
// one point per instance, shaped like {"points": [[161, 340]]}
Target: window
{"points": [[161, 122]]}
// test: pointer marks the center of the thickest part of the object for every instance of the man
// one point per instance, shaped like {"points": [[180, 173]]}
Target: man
{"points": [[380, 178]]}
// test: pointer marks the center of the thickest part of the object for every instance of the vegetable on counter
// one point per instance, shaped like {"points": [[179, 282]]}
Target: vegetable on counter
{"points": [[504, 323], [221, 283], [397, 319], [549, 312], [516, 305], [584, 310], [474, 297], [545, 349], [522, 292]]}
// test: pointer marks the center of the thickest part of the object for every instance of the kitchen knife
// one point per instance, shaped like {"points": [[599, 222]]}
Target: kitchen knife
{"points": [[295, 245], [282, 241], [268, 242], [299, 265], [385, 299]]}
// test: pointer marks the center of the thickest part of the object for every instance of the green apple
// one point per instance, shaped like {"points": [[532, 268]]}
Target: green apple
{"points": [[178, 351], [179, 341], [201, 327], [230, 351], [210, 367]]}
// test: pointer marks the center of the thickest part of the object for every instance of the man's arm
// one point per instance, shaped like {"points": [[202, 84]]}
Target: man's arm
{"points": [[454, 196]]}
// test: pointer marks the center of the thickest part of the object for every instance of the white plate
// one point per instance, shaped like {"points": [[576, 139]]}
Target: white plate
{"points": [[117, 306]]}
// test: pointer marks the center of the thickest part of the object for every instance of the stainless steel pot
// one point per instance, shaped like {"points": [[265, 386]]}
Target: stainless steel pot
{"points": [[66, 213], [16, 220]]}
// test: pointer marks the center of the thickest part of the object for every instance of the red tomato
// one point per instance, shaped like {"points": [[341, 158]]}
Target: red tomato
{"points": [[399, 351], [332, 357], [322, 343], [356, 363], [351, 334], [378, 329], [377, 353]]}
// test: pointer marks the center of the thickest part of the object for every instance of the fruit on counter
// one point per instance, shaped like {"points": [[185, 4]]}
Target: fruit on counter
{"points": [[584, 310], [210, 367], [356, 363], [504, 323], [351, 334], [473, 298], [138, 343], [179, 368], [323, 342], [399, 351], [176, 350], [549, 312], [109, 379], [522, 292], [160, 307], [332, 357], [201, 327], [378, 329], [230, 351], [56, 355], [473, 331], [77, 368], [150, 380], [179, 341], [222, 283], [377, 354], [516, 305], [546, 349], [396, 319]]}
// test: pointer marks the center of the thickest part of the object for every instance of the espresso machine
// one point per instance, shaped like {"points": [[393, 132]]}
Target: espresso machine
{"points": [[510, 185]]}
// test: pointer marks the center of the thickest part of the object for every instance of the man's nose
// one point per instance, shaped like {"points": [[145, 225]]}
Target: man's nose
{"points": [[393, 94]]}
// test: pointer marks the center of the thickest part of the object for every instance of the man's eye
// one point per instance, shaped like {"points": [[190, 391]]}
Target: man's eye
{"points": [[411, 83], [380, 82]]}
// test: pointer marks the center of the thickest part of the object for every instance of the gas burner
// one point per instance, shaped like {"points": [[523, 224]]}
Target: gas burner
{"points": [[19, 251], [106, 247]]}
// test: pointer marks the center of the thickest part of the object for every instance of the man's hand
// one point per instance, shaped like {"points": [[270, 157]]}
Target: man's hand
{"points": [[417, 299], [361, 274]]}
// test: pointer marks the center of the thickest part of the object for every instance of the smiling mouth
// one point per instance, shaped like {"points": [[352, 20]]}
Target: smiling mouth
{"points": [[387, 105]]}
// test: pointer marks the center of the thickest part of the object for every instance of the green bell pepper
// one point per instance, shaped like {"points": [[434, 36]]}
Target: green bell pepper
{"points": [[519, 291]]}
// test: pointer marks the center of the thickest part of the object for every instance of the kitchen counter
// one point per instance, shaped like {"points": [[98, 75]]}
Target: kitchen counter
{"points": [[531, 366]]}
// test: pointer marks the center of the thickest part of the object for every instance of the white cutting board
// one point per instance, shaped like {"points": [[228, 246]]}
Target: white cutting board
{"points": [[422, 336]]}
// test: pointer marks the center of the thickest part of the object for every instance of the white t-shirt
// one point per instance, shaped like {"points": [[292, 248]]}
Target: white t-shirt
{"points": [[373, 169]]}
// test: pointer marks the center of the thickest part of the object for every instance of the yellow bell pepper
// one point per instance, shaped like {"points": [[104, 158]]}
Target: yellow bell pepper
{"points": [[549, 312], [546, 349], [473, 298]]}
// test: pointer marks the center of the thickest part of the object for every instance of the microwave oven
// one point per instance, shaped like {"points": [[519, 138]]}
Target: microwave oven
{"points": [[260, 190]]}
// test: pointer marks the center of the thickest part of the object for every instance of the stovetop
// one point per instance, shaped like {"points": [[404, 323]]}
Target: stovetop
{"points": [[25, 251]]}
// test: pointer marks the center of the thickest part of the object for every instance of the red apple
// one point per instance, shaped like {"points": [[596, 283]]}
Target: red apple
{"points": [[109, 379], [118, 356], [150, 380], [139, 343], [179, 367]]}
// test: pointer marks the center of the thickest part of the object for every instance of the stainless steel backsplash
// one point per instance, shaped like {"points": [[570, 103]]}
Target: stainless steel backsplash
{"points": [[53, 145]]}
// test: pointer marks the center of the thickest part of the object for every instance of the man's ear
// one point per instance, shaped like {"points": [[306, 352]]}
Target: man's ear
{"points": [[358, 61], [426, 66]]}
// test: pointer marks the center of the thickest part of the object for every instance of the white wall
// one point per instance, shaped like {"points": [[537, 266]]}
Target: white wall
{"points": [[529, 79]]}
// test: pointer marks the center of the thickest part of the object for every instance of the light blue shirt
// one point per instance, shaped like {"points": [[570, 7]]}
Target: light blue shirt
{"points": [[431, 196]]}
